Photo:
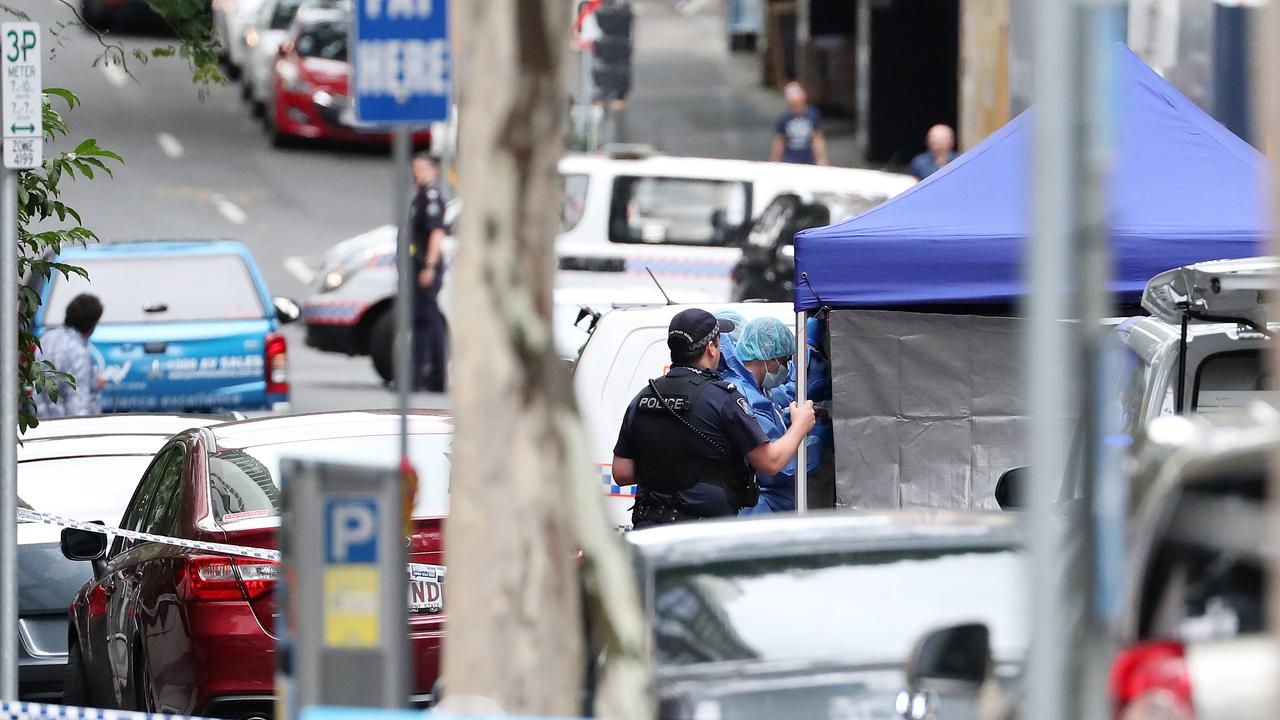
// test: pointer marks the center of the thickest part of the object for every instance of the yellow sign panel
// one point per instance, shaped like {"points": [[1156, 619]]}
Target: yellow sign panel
{"points": [[351, 606]]}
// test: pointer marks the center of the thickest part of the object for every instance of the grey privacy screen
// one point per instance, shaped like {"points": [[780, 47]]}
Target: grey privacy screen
{"points": [[927, 408]]}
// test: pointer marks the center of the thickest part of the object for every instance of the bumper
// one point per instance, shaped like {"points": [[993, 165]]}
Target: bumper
{"points": [[426, 646], [40, 679], [302, 115], [334, 338]]}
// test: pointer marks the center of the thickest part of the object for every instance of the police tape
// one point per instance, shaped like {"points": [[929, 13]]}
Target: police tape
{"points": [[220, 548], [418, 571], [30, 711]]}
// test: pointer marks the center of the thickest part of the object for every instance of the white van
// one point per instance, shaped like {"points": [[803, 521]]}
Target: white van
{"points": [[684, 219], [628, 347]]}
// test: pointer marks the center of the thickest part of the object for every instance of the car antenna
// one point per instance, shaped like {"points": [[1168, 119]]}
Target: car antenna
{"points": [[665, 296]]}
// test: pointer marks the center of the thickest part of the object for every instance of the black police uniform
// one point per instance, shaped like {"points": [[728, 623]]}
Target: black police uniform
{"points": [[430, 333], [682, 476]]}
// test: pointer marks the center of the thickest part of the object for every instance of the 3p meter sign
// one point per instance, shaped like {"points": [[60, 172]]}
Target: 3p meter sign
{"points": [[21, 95], [351, 582], [402, 68]]}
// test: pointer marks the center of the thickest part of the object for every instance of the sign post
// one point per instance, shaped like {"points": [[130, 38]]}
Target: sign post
{"points": [[401, 76], [22, 98]]}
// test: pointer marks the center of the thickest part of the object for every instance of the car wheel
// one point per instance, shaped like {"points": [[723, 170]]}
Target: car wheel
{"points": [[75, 685], [382, 340]]}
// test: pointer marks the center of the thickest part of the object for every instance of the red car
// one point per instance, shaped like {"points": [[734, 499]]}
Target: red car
{"points": [[167, 629], [312, 80]]}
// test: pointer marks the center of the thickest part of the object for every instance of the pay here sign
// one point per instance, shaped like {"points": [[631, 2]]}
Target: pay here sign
{"points": [[401, 65]]}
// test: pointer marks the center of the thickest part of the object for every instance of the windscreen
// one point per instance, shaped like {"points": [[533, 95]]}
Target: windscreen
{"points": [[323, 40], [245, 483], [846, 608], [161, 288], [83, 488]]}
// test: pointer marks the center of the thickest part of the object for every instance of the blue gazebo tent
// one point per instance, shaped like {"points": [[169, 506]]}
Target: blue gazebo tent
{"points": [[1184, 189]]}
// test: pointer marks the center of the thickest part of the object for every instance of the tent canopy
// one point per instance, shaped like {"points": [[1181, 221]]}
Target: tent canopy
{"points": [[1183, 189]]}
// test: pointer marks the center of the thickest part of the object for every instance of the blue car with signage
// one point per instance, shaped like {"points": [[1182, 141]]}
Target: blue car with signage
{"points": [[187, 326]]}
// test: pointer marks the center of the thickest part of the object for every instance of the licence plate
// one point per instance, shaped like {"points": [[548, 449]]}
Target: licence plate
{"points": [[426, 588]]}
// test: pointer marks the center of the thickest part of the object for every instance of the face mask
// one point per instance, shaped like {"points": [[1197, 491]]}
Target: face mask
{"points": [[776, 378]]}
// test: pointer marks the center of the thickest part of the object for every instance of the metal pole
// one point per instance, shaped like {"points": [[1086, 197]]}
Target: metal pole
{"points": [[1051, 370], [802, 394], [401, 147], [8, 435]]}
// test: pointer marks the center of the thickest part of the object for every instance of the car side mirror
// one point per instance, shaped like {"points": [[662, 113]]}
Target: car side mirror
{"points": [[287, 311], [82, 545], [953, 658], [1012, 490]]}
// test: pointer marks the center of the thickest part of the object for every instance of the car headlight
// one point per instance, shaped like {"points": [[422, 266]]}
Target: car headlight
{"points": [[337, 275], [292, 78], [250, 36]]}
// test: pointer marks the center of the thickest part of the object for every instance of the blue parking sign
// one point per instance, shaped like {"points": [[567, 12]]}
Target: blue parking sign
{"points": [[401, 64], [351, 530]]}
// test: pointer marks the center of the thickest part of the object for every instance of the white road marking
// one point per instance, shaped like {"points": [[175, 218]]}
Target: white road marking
{"points": [[299, 269], [169, 145], [229, 210], [115, 74]]}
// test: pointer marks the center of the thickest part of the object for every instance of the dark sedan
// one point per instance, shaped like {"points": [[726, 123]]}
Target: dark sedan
{"points": [[163, 628], [84, 468], [815, 616]]}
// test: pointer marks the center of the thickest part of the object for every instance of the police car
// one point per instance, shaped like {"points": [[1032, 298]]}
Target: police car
{"points": [[627, 348], [626, 215], [186, 325]]}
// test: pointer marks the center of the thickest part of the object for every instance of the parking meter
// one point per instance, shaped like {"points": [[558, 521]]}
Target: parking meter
{"points": [[343, 629]]}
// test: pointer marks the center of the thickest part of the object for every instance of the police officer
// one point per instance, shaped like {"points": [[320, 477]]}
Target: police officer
{"points": [[426, 223], [686, 435]]}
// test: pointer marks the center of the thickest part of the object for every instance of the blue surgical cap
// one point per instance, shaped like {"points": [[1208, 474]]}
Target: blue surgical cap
{"points": [[734, 317], [766, 338]]}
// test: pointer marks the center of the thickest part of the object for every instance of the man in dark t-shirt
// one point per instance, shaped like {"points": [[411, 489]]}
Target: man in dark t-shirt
{"points": [[798, 136]]}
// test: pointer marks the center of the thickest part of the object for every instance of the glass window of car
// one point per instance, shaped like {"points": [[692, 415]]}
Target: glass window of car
{"points": [[140, 504], [1231, 380], [802, 608], [1206, 578], [166, 496], [244, 482], [574, 204], [678, 211], [326, 40], [161, 288], [282, 14]]}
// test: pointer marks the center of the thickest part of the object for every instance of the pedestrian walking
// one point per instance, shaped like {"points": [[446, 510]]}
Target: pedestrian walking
{"points": [[689, 440], [798, 136], [941, 144], [66, 347], [427, 231]]}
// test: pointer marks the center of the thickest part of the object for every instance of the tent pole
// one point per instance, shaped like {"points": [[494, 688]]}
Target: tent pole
{"points": [[802, 393]]}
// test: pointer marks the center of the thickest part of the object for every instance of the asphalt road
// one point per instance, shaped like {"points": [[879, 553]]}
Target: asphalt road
{"points": [[201, 167]]}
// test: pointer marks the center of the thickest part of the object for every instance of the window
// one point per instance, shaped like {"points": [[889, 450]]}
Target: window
{"points": [[1230, 380], [172, 288], [140, 505], [712, 613], [678, 211], [166, 496], [244, 482], [1207, 579], [323, 40], [574, 203]]}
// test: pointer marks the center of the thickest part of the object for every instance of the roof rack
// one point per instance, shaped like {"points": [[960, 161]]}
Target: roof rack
{"points": [[628, 151]]}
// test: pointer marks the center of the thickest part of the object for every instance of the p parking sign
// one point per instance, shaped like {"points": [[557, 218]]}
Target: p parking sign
{"points": [[401, 62], [21, 95]]}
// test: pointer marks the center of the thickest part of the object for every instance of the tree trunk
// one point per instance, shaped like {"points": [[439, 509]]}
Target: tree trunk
{"points": [[524, 499]]}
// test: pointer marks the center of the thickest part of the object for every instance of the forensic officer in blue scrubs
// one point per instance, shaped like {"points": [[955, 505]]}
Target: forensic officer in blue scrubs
{"points": [[764, 352], [688, 437]]}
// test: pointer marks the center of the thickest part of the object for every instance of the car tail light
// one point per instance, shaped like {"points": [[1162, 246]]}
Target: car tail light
{"points": [[1150, 681], [277, 364], [223, 578]]}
